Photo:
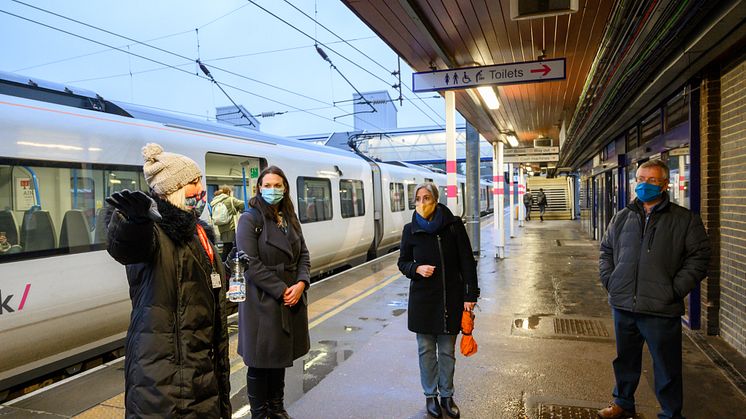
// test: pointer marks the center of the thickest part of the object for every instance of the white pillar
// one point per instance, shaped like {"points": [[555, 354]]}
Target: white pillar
{"points": [[521, 192], [451, 188], [498, 183], [682, 180], [512, 202]]}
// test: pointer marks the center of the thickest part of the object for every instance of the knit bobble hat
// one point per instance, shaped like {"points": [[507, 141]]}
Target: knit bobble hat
{"points": [[165, 172]]}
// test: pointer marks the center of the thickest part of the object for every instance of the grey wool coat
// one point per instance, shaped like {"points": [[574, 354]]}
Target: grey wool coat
{"points": [[270, 334]]}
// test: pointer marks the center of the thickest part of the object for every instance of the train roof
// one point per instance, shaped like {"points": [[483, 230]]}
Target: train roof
{"points": [[42, 90]]}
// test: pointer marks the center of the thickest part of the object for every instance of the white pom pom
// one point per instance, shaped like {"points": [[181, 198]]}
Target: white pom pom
{"points": [[151, 151]]}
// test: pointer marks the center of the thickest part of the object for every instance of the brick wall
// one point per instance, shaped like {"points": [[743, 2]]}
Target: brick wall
{"points": [[710, 195], [733, 205]]}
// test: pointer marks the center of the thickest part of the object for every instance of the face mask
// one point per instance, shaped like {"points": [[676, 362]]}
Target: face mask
{"points": [[647, 192], [273, 195], [196, 203], [426, 210]]}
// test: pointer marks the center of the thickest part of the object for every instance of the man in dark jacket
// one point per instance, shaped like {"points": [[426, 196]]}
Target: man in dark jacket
{"points": [[177, 343], [653, 254], [528, 200], [541, 201]]}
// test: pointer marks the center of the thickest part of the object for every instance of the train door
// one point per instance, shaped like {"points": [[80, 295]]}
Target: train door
{"points": [[239, 173], [595, 207]]}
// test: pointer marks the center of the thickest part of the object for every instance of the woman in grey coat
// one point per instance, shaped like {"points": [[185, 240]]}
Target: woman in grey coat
{"points": [[273, 321]]}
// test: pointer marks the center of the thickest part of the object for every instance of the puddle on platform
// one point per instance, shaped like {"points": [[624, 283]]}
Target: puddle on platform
{"points": [[319, 362], [530, 323], [398, 303], [398, 312], [351, 328]]}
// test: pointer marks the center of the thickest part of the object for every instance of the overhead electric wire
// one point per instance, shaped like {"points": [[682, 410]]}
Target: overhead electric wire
{"points": [[167, 51], [360, 52], [106, 50], [166, 65], [331, 49]]}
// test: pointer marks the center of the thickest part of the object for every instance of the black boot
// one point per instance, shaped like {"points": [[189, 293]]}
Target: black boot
{"points": [[277, 394], [450, 407], [256, 389], [432, 407]]}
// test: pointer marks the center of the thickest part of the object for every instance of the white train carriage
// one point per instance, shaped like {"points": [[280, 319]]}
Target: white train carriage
{"points": [[62, 297]]}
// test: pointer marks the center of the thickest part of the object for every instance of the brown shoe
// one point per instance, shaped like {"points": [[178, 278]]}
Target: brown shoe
{"points": [[614, 411]]}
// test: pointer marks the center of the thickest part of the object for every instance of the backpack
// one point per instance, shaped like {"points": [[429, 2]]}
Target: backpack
{"points": [[221, 215]]}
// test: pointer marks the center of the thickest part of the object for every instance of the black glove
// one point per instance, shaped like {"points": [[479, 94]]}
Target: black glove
{"points": [[136, 206], [235, 253]]}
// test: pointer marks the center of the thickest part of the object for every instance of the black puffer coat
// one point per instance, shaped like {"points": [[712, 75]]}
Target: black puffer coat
{"points": [[270, 334], [436, 302], [176, 363], [651, 268]]}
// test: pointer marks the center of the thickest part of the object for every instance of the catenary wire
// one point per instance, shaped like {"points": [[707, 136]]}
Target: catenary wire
{"points": [[359, 51], [166, 65]]}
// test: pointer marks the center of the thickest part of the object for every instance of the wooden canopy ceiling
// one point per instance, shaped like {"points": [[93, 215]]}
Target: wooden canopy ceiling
{"points": [[446, 34]]}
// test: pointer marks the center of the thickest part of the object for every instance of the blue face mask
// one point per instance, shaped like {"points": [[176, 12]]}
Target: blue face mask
{"points": [[273, 195], [196, 203], [647, 192]]}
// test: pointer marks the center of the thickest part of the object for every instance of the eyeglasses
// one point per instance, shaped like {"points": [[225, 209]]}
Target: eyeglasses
{"points": [[650, 180]]}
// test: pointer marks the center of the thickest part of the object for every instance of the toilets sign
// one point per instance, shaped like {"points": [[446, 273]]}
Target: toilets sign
{"points": [[469, 77]]}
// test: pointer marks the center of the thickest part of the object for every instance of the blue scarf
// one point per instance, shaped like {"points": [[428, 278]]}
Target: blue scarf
{"points": [[430, 226]]}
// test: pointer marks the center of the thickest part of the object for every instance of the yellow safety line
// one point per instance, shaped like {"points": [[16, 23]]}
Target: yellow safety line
{"points": [[389, 279]]}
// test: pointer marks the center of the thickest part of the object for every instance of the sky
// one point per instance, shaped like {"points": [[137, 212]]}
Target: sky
{"points": [[263, 63]]}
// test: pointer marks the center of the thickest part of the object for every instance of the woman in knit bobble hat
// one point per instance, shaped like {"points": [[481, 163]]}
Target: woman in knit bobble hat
{"points": [[176, 363]]}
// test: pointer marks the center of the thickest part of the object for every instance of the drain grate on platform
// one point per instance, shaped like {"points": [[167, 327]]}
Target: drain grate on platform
{"points": [[554, 411], [580, 327]]}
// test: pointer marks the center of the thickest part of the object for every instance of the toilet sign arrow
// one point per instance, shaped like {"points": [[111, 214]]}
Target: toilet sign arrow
{"points": [[469, 77], [545, 69]]}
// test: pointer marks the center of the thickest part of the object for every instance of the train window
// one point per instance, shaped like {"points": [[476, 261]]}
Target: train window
{"points": [[442, 197], [314, 199], [49, 208], [411, 196], [398, 200], [352, 198]]}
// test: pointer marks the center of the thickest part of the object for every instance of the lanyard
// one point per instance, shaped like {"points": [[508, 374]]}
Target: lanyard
{"points": [[205, 243]]}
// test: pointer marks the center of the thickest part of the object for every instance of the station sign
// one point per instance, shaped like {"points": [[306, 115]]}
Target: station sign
{"points": [[531, 158], [533, 150], [501, 74]]}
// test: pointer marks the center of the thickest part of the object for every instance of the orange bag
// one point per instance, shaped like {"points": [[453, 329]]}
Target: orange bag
{"points": [[468, 344]]}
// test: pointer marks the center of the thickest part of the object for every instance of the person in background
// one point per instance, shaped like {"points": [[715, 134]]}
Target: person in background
{"points": [[653, 254], [437, 257], [273, 321], [528, 200], [176, 361], [232, 207], [541, 201]]}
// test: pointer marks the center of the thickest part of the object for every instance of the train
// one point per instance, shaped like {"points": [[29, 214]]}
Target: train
{"points": [[63, 150]]}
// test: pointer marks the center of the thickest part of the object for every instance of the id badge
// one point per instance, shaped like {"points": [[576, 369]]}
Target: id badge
{"points": [[215, 278]]}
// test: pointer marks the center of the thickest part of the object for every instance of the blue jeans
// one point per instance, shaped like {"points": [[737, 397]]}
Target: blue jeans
{"points": [[663, 336], [437, 364]]}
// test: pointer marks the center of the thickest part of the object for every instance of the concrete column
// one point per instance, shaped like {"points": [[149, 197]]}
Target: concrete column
{"points": [[451, 188], [521, 192], [512, 200], [498, 193], [472, 187], [682, 179]]}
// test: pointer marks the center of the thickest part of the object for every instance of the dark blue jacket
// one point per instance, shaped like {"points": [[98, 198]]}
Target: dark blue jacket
{"points": [[650, 268]]}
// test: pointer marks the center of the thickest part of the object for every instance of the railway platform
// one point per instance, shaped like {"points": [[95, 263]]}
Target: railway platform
{"points": [[543, 327]]}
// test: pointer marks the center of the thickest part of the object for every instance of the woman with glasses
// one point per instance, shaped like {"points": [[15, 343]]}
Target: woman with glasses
{"points": [[273, 320], [435, 254], [176, 361]]}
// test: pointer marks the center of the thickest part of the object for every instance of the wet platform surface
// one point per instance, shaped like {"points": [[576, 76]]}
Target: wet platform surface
{"points": [[545, 347]]}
